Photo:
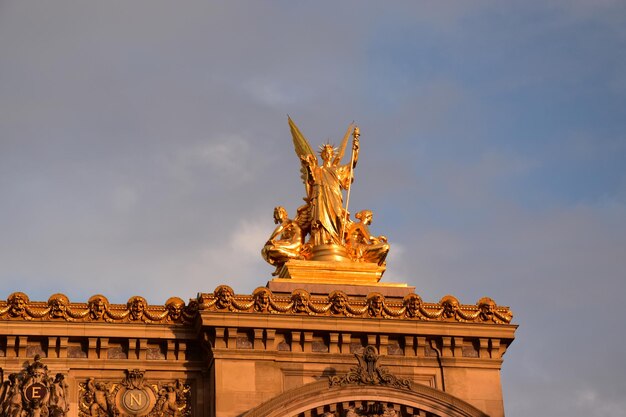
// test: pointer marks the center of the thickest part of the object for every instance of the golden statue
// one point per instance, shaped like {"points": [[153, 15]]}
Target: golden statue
{"points": [[324, 183], [324, 218], [285, 242], [365, 246]]}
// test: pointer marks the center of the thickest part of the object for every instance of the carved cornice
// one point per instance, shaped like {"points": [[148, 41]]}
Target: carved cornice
{"points": [[338, 304], [261, 301], [97, 309]]}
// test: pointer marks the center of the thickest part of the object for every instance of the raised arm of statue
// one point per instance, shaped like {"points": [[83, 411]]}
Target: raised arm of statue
{"points": [[355, 147]]}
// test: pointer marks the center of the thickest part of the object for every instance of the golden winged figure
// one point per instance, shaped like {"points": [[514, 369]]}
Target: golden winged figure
{"points": [[324, 183], [324, 217]]}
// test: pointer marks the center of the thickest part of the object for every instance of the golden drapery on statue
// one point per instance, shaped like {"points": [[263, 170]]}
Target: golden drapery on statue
{"points": [[324, 218], [325, 198]]}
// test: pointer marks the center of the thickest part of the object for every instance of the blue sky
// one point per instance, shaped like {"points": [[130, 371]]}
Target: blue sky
{"points": [[144, 145]]}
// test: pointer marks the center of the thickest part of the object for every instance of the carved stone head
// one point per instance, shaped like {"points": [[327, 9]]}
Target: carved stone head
{"points": [[300, 300], [375, 302], [339, 302], [412, 303], [174, 307], [224, 296], [369, 354], [136, 305], [486, 306], [58, 305], [17, 302], [98, 305], [37, 371], [450, 306], [261, 298]]}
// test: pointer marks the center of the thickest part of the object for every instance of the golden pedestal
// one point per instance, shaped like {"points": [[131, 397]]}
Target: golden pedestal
{"points": [[331, 272], [330, 253]]}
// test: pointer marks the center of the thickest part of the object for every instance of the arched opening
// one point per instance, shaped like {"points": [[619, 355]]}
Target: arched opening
{"points": [[318, 399]]}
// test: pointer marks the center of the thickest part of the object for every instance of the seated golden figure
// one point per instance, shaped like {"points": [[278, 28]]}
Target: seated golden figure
{"points": [[366, 247], [285, 243]]}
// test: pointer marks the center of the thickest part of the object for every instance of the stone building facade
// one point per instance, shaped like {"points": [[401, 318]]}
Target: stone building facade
{"points": [[287, 349]]}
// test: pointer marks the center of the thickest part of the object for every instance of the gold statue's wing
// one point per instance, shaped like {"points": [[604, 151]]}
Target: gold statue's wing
{"points": [[300, 143], [344, 144], [303, 149]]}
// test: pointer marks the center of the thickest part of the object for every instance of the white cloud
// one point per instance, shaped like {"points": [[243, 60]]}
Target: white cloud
{"points": [[274, 93], [224, 156], [594, 404], [234, 259]]}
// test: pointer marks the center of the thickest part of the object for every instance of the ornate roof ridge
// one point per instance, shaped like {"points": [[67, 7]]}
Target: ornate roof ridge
{"points": [[262, 301], [97, 309]]}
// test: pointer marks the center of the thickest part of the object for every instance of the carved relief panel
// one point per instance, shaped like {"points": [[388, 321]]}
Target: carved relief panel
{"points": [[34, 393], [134, 396]]}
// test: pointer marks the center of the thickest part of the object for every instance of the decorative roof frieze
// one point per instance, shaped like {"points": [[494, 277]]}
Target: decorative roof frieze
{"points": [[97, 309], [339, 304], [262, 301]]}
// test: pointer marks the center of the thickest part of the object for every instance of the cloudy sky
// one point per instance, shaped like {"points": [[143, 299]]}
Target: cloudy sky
{"points": [[144, 144]]}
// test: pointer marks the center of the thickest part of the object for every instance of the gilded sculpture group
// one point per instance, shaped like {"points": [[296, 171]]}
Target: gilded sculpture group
{"points": [[332, 235]]}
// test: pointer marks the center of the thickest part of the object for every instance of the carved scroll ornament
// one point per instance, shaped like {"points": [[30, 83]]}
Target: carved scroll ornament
{"points": [[369, 372]]}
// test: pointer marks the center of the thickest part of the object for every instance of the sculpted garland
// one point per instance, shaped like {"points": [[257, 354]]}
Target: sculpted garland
{"points": [[337, 303], [98, 308], [262, 300]]}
